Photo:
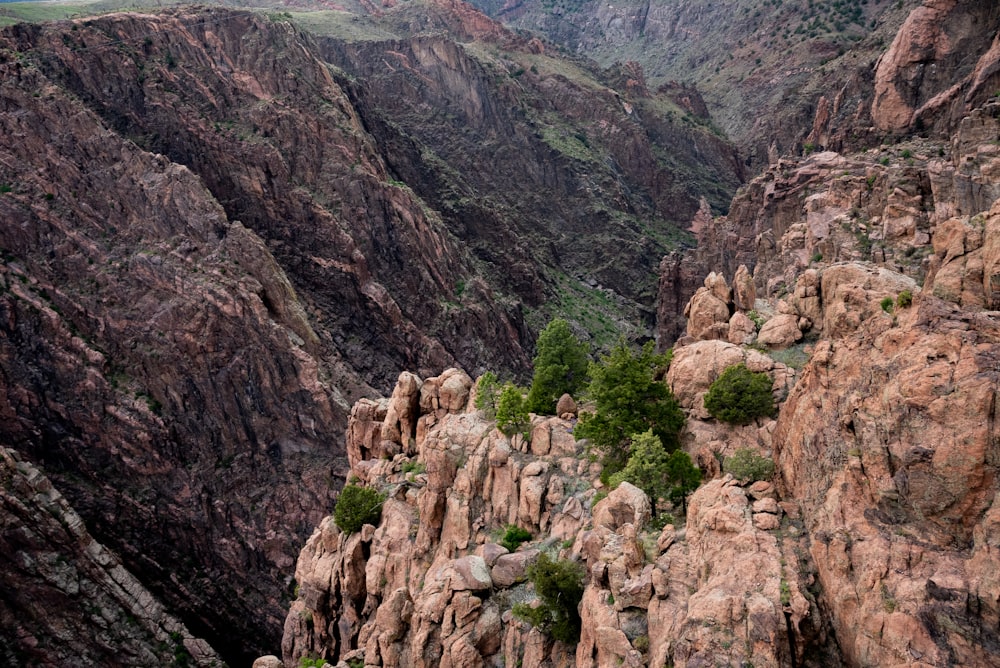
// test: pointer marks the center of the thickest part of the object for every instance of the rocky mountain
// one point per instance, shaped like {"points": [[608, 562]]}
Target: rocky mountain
{"points": [[865, 285], [780, 76], [536, 162], [871, 545], [76, 603], [215, 241], [220, 232]]}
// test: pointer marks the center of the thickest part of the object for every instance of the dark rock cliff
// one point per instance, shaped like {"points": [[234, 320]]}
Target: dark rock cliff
{"points": [[552, 171]]}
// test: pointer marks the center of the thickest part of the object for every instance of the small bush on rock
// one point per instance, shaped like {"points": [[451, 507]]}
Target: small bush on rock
{"points": [[739, 396], [747, 466], [904, 299], [514, 536], [886, 304], [356, 507], [559, 585]]}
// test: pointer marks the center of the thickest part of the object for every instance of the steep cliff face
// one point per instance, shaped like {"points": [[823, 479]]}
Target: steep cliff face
{"points": [[550, 170], [157, 363], [899, 422], [67, 600], [288, 156]]}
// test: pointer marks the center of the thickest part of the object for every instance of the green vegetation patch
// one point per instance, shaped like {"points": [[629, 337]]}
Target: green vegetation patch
{"points": [[739, 396], [357, 506]]}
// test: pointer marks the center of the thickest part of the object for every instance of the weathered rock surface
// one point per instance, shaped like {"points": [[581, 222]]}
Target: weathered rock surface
{"points": [[887, 441], [550, 176], [802, 215], [59, 584], [708, 311], [429, 583], [940, 66]]}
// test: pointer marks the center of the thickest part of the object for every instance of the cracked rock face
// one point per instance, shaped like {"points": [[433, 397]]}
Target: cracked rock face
{"points": [[60, 584], [899, 425]]}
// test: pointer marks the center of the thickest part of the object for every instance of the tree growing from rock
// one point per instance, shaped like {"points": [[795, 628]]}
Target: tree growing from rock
{"points": [[561, 365], [512, 414], [559, 585], [739, 396], [630, 399], [659, 474], [683, 477], [748, 466], [488, 393], [357, 506]]}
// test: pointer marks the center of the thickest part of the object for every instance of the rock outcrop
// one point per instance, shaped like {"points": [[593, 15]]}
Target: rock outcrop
{"points": [[888, 445], [803, 215], [430, 583]]}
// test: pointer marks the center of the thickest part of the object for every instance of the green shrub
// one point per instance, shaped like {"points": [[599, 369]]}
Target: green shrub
{"points": [[756, 319], [904, 299], [560, 367], [739, 396], [512, 414], [514, 536], [559, 585], [306, 662], [356, 507], [659, 475], [414, 467], [747, 466], [886, 304]]}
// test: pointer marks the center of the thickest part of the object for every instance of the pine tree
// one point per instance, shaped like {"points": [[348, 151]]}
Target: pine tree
{"points": [[560, 367], [512, 415], [629, 400]]}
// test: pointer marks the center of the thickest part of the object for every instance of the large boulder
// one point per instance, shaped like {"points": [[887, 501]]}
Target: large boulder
{"points": [[852, 292], [626, 504], [708, 310], [780, 331], [744, 290], [447, 393], [400, 424], [696, 366]]}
